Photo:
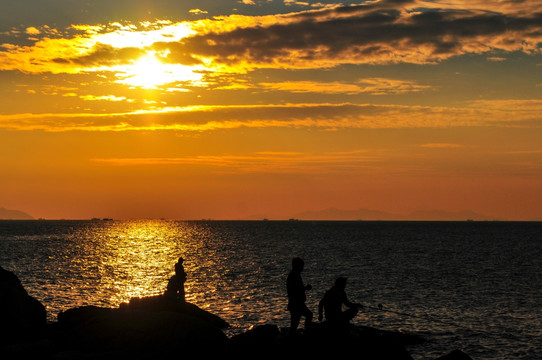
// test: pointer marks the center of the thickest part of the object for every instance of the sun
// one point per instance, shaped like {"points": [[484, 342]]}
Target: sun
{"points": [[147, 72], [150, 72]]}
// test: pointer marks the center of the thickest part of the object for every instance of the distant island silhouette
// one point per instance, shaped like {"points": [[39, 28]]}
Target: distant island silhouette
{"points": [[331, 214], [368, 214], [6, 214], [375, 215]]}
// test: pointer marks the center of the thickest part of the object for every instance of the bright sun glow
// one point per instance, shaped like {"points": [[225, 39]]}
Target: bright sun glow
{"points": [[149, 72]]}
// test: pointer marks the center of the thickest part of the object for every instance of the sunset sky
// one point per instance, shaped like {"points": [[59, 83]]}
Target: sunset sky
{"points": [[234, 109]]}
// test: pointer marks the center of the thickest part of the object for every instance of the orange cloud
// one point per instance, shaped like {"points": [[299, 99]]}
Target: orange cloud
{"points": [[509, 105], [320, 116], [442, 146], [263, 162], [373, 33], [373, 86], [197, 11], [501, 6], [104, 98], [376, 32], [32, 31], [91, 48]]}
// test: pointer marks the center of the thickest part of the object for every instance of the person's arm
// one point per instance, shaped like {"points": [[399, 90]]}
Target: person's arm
{"points": [[350, 304]]}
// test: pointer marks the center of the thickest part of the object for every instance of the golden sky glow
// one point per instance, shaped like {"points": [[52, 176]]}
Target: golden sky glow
{"points": [[269, 108]]}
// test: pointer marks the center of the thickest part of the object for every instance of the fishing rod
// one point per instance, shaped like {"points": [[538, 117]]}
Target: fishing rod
{"points": [[381, 308]]}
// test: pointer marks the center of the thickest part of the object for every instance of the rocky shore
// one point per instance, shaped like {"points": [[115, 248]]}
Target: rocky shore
{"points": [[158, 328]]}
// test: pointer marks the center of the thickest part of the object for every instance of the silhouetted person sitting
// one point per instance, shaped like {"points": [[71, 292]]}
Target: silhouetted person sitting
{"points": [[175, 286], [333, 302], [296, 296]]}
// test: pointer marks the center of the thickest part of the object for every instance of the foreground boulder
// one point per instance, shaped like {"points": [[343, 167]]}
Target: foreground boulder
{"points": [[321, 341], [162, 303], [23, 317], [137, 334], [158, 328]]}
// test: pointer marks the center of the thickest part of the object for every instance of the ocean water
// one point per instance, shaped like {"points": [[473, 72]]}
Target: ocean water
{"points": [[474, 286]]}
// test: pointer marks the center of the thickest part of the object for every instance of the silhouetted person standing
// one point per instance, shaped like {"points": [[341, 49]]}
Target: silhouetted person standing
{"points": [[175, 286], [333, 302], [296, 296]]}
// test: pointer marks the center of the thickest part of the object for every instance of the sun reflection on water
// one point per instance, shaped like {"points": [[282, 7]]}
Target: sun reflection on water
{"points": [[137, 258]]}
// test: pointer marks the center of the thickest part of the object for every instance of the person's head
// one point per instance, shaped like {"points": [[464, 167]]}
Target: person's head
{"points": [[180, 261], [340, 283], [298, 264]]}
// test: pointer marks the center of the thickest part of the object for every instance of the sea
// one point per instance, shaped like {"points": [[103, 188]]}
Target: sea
{"points": [[475, 286]]}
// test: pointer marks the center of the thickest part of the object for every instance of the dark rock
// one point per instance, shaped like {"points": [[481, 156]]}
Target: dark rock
{"points": [[376, 345], [163, 303], [138, 333], [158, 327], [260, 338], [455, 355], [81, 318], [23, 317], [36, 349], [318, 341]]}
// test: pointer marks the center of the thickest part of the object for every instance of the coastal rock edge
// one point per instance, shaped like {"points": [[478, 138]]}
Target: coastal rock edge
{"points": [[149, 328]]}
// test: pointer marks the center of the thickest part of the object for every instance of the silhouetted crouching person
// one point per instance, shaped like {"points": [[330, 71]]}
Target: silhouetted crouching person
{"points": [[297, 297], [175, 286], [332, 303]]}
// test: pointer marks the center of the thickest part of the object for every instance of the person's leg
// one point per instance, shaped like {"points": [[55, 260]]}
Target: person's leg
{"points": [[308, 317], [294, 321]]}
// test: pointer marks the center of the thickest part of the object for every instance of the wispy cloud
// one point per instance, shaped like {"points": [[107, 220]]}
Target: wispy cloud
{"points": [[525, 152], [105, 98], [496, 59], [509, 105], [295, 2], [197, 11], [263, 162], [442, 146], [319, 116], [373, 86]]}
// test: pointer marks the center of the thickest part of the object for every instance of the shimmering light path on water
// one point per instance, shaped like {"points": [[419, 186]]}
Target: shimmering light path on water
{"points": [[468, 285]]}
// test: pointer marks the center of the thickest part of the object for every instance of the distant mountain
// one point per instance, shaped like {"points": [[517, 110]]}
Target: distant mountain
{"points": [[6, 214], [368, 214], [447, 215], [338, 214]]}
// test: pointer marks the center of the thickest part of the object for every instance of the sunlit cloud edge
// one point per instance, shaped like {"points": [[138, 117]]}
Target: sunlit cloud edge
{"points": [[523, 113]]}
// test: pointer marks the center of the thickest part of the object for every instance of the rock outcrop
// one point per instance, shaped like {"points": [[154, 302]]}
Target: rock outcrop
{"points": [[159, 328], [23, 317], [163, 303], [137, 333], [321, 341]]}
